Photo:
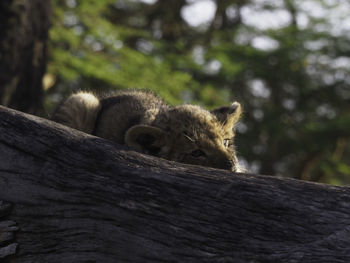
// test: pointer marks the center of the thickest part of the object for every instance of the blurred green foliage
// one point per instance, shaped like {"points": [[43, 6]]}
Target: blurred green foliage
{"points": [[292, 76]]}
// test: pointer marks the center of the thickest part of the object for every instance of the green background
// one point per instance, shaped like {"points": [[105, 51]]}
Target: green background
{"points": [[290, 74]]}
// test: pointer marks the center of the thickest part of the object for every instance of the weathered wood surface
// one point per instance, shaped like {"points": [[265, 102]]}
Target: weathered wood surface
{"points": [[78, 198], [7, 230]]}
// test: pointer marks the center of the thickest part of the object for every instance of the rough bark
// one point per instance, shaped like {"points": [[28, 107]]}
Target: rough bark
{"points": [[7, 230], [78, 198], [24, 28]]}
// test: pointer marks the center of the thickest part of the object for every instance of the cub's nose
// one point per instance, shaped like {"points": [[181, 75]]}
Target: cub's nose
{"points": [[228, 165]]}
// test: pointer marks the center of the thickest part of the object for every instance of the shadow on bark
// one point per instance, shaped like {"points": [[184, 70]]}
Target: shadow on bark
{"points": [[79, 198]]}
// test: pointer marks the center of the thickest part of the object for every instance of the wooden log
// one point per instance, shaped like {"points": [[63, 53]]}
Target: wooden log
{"points": [[7, 230], [79, 198]]}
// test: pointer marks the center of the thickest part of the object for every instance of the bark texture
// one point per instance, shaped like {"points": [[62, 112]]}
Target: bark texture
{"points": [[78, 198], [24, 28], [7, 230]]}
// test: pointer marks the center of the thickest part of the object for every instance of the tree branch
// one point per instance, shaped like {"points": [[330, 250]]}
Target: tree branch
{"points": [[78, 198]]}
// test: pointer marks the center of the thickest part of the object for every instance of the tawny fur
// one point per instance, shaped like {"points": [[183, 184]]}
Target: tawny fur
{"points": [[79, 111], [185, 133]]}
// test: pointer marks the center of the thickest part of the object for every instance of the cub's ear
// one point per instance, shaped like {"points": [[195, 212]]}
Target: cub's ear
{"points": [[145, 139], [228, 115]]}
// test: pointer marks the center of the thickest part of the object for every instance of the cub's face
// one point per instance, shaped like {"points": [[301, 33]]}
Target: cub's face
{"points": [[205, 138], [207, 149], [190, 134]]}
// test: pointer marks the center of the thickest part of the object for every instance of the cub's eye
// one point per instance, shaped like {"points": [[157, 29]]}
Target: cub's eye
{"points": [[197, 153], [227, 142]]}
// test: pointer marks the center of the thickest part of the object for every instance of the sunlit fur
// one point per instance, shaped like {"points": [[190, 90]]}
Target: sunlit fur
{"points": [[185, 133], [79, 111]]}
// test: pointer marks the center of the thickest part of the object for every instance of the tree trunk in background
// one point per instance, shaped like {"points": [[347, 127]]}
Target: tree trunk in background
{"points": [[24, 28], [79, 198]]}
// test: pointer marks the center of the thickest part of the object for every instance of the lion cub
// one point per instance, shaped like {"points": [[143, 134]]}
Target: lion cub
{"points": [[185, 133]]}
